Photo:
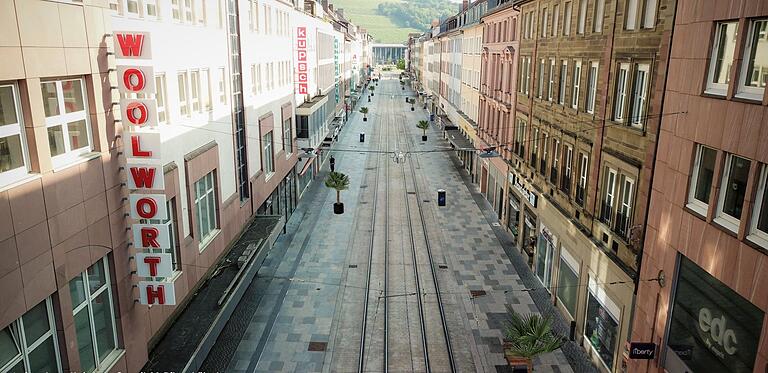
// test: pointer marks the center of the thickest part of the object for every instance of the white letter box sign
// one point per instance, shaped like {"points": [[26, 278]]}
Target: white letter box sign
{"points": [[154, 265]]}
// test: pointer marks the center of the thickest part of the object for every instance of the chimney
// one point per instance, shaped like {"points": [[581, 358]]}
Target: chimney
{"points": [[464, 4]]}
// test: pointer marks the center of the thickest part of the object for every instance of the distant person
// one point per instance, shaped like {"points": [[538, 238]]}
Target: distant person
{"points": [[333, 164]]}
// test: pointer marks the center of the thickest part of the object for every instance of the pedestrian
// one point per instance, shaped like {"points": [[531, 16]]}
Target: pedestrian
{"points": [[333, 164]]}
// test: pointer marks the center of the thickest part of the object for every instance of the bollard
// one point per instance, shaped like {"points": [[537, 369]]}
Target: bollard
{"points": [[362, 136], [441, 197]]}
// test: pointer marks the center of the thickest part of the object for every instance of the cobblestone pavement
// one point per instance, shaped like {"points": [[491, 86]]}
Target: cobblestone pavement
{"points": [[295, 317]]}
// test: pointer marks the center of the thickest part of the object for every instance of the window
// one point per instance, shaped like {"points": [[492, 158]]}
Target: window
{"points": [[581, 187], [592, 87], [630, 21], [254, 80], [567, 19], [601, 324], [540, 84], [624, 217], [759, 227], [221, 9], [576, 85], [563, 79], [205, 208], [553, 177], [568, 282], [520, 138], [556, 20], [253, 14], [551, 85], [732, 191], [580, 25], [29, 343], [288, 136], [183, 102], [754, 74], [544, 22], [150, 8], [722, 57], [188, 11], [66, 117], [701, 179], [222, 87], [162, 112], [527, 75], [621, 93], [94, 315], [609, 195], [269, 156], [567, 168], [205, 90], [176, 10], [195, 85], [639, 94], [12, 151], [544, 153], [599, 15], [132, 8]]}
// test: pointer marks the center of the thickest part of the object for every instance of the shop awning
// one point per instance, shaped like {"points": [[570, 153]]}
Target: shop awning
{"points": [[457, 139]]}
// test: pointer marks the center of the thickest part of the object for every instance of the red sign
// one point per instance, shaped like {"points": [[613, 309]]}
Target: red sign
{"points": [[302, 68]]}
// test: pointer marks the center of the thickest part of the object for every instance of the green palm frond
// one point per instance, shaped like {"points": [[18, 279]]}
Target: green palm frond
{"points": [[423, 124], [337, 180], [531, 334], [364, 110]]}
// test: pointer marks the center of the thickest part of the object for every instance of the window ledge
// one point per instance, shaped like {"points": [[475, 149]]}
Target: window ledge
{"points": [[110, 361], [207, 241], [758, 240], [747, 97], [726, 225], [85, 157], [19, 181], [715, 93], [699, 210], [269, 176]]}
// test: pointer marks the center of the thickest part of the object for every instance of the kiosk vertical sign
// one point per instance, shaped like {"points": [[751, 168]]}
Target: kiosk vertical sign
{"points": [[302, 68], [143, 168]]}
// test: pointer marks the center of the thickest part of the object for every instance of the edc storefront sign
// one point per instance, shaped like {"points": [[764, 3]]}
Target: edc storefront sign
{"points": [[713, 328], [302, 69], [144, 170]]}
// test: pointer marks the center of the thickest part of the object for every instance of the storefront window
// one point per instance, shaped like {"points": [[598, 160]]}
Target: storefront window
{"points": [[601, 329], [513, 221], [544, 251], [568, 286], [713, 329]]}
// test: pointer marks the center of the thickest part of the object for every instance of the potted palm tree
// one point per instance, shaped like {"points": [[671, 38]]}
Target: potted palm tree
{"points": [[424, 126], [372, 88], [364, 110], [338, 181], [528, 336]]}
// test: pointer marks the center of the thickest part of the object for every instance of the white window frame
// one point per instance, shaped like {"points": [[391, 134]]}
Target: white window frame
{"points": [[610, 191], [177, 11], [568, 161], [184, 104], [87, 305], [64, 118], [756, 235], [19, 335], [288, 137], [583, 172], [620, 99], [172, 229], [551, 84], [194, 88], [627, 198], [126, 5], [721, 217], [567, 15], [544, 151], [527, 75], [556, 155], [555, 20], [188, 11], [592, 86], [161, 98], [200, 16], [563, 82], [598, 19], [269, 154], [639, 97], [693, 203], [206, 101], [544, 22], [14, 129], [631, 15], [209, 198], [720, 89], [744, 91], [576, 89], [146, 7], [649, 14], [540, 85], [223, 87]]}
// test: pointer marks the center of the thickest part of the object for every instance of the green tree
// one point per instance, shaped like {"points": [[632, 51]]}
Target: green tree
{"points": [[423, 125], [530, 335], [401, 64], [338, 181]]}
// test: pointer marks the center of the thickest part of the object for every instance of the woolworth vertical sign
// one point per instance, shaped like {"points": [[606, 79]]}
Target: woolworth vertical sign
{"points": [[143, 167]]}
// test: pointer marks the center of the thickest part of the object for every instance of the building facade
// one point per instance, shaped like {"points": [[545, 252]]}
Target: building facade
{"points": [[226, 116], [706, 233], [588, 112]]}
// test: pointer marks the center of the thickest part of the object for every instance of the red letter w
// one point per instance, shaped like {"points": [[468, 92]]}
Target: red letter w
{"points": [[130, 44], [143, 177]]}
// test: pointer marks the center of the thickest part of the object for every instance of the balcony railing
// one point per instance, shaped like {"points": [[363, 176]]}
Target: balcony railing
{"points": [[580, 195], [565, 184], [606, 212], [622, 225], [553, 175]]}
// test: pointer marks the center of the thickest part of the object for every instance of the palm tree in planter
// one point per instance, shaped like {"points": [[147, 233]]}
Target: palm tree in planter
{"points": [[528, 336], [338, 181], [424, 126], [364, 110]]}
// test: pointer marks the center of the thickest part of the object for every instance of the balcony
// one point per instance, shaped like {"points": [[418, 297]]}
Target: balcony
{"points": [[553, 175], [565, 184], [580, 192], [606, 213]]}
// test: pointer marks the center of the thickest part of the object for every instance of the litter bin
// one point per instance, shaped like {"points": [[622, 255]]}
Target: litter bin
{"points": [[441, 197], [362, 136]]}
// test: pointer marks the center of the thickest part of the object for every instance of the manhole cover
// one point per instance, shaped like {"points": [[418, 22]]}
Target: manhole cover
{"points": [[477, 293], [496, 224], [317, 346], [353, 266]]}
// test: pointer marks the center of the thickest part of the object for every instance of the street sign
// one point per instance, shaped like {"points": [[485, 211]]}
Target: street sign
{"points": [[642, 350]]}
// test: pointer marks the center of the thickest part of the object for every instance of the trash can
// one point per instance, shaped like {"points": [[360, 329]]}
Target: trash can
{"points": [[441, 197], [362, 136]]}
